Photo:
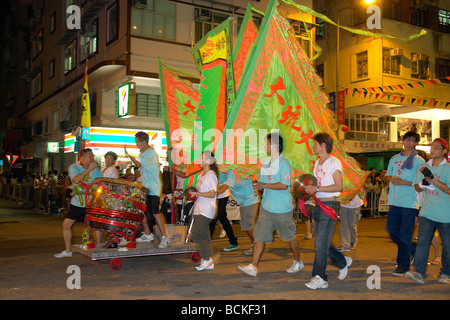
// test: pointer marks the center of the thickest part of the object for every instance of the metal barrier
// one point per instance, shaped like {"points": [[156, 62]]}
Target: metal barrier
{"points": [[31, 197]]}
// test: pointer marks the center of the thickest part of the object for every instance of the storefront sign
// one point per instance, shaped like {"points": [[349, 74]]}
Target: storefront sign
{"points": [[127, 100], [355, 146], [53, 147]]}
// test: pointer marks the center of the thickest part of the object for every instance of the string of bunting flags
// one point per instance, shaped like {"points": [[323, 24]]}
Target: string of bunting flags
{"points": [[388, 92]]}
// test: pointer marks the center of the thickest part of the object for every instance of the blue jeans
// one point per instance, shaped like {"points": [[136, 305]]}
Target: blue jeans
{"points": [[324, 230], [426, 231], [400, 225]]}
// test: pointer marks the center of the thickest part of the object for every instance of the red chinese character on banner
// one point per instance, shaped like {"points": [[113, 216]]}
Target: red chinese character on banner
{"points": [[275, 87], [290, 117], [304, 139], [190, 107]]}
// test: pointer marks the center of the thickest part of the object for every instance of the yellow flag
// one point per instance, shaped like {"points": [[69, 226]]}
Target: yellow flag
{"points": [[216, 47], [85, 103]]}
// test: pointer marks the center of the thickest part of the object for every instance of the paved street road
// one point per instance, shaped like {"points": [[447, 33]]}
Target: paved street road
{"points": [[29, 271]]}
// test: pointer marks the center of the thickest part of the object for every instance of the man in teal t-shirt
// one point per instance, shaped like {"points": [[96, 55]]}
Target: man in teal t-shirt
{"points": [[433, 179], [83, 171], [148, 165], [403, 199], [276, 212]]}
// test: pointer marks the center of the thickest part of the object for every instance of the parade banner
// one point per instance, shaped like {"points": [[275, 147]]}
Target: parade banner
{"points": [[179, 104], [215, 48], [280, 91], [212, 55], [85, 102], [244, 44]]}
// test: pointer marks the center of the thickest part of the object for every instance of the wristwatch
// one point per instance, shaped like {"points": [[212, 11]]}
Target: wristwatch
{"points": [[318, 189], [264, 185]]}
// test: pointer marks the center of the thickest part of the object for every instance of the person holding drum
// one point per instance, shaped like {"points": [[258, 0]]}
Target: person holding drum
{"points": [[84, 171], [148, 165], [205, 209], [276, 212], [328, 172]]}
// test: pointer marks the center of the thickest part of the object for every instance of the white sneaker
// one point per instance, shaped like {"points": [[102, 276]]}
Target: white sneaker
{"points": [[146, 238], [415, 276], [296, 267], [317, 283], [344, 271], [164, 243], [249, 270], [205, 265], [63, 254], [444, 279]]}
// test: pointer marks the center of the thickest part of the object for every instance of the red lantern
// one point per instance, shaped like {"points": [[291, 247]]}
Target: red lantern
{"points": [[345, 128]]}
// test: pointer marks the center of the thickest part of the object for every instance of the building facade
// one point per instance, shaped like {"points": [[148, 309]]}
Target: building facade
{"points": [[386, 85], [119, 40]]}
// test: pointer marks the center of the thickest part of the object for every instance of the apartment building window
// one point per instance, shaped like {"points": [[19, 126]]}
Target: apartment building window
{"points": [[112, 23], [206, 20], [420, 17], [419, 66], [391, 61], [89, 39], [391, 9], [55, 122], [368, 127], [70, 56], [156, 20], [362, 65], [147, 105], [51, 69], [53, 22], [442, 69], [444, 21], [36, 85], [37, 44], [320, 29]]}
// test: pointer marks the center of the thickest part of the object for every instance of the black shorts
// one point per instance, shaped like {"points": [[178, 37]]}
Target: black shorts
{"points": [[76, 213], [152, 205]]}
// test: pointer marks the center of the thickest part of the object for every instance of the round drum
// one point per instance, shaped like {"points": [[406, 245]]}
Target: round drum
{"points": [[116, 206], [300, 183]]}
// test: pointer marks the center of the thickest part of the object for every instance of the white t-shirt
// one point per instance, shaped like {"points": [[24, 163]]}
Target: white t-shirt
{"points": [[355, 203], [110, 172], [206, 206], [324, 175]]}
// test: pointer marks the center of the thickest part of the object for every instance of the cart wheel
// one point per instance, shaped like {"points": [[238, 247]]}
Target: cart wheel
{"points": [[115, 264], [195, 257]]}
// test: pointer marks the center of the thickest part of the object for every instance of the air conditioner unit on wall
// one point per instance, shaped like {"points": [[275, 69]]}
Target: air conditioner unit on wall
{"points": [[141, 4], [395, 52], [419, 57], [202, 14]]}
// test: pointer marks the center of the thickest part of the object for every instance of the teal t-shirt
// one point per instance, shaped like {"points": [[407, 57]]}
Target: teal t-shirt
{"points": [[276, 201], [435, 203], [403, 196], [150, 174], [241, 191], [76, 169]]}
